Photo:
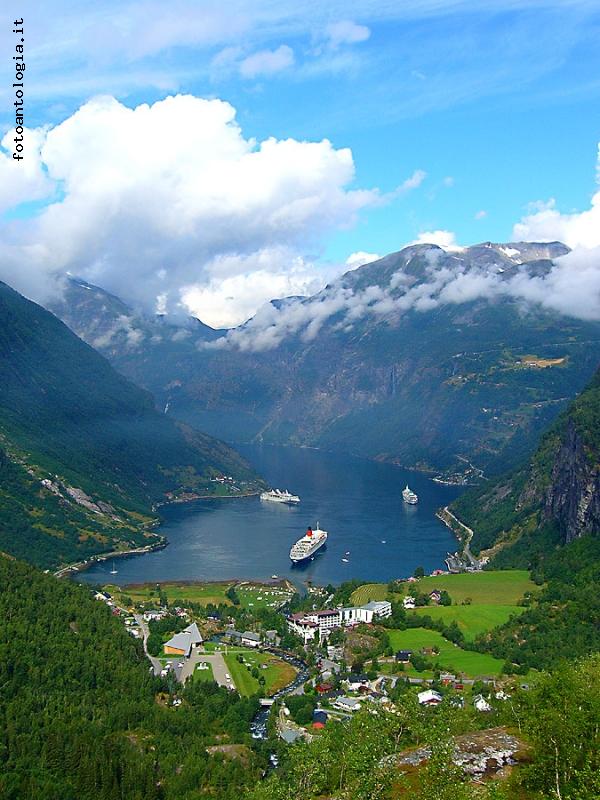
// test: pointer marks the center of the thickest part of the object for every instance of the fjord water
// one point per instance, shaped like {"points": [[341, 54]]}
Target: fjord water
{"points": [[358, 502]]}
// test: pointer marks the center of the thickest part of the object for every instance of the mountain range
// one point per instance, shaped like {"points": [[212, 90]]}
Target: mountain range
{"points": [[84, 454], [424, 358]]}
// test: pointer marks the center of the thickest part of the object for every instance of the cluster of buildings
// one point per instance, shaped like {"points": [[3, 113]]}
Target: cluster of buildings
{"points": [[409, 601], [247, 638], [307, 624], [251, 638], [430, 697]]}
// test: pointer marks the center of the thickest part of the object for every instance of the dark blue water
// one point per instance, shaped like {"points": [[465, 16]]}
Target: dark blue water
{"points": [[358, 502]]}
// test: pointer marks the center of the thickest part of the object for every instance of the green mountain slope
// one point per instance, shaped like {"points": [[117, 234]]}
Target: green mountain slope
{"points": [[84, 453], [554, 496], [546, 516], [79, 711]]}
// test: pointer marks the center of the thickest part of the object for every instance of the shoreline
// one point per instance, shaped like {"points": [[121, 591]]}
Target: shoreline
{"points": [[82, 566], [451, 521], [199, 582], [191, 498]]}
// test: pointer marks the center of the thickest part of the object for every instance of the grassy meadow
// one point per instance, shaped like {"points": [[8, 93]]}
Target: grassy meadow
{"points": [[203, 675], [499, 587], [277, 673], [451, 657], [472, 620], [251, 595]]}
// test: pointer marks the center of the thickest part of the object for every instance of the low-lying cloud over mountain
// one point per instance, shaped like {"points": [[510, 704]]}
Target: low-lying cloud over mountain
{"points": [[569, 284]]}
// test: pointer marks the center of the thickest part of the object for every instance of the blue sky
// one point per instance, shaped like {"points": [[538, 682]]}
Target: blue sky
{"points": [[496, 102]]}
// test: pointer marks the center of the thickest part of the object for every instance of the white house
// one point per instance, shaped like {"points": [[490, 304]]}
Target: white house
{"points": [[154, 615], [429, 698], [409, 602], [350, 704], [481, 704], [250, 639], [354, 682], [303, 627]]}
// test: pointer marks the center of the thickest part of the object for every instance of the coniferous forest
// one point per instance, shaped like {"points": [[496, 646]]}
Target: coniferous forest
{"points": [[82, 718]]}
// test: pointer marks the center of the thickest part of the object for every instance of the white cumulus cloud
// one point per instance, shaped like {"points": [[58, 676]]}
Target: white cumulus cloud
{"points": [[159, 203], [549, 224], [444, 239], [546, 223], [355, 260], [22, 181]]}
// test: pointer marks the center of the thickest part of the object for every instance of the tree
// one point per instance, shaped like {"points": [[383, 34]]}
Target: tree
{"points": [[561, 718], [445, 599], [419, 572], [336, 636], [232, 595], [419, 662]]}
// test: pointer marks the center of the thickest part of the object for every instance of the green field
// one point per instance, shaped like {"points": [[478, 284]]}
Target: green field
{"points": [[277, 674], [203, 675], [367, 592], [451, 657], [389, 668], [261, 596], [500, 587], [472, 620], [251, 595]]}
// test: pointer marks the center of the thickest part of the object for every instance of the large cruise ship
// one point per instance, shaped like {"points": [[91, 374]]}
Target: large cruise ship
{"points": [[308, 545], [277, 496], [409, 496]]}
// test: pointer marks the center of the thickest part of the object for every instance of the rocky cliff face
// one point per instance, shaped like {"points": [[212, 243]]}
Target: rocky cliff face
{"points": [[557, 490], [572, 499]]}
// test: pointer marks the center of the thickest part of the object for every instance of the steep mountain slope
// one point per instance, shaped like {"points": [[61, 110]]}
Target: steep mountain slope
{"points": [[546, 516], [83, 719], [386, 362], [83, 453], [554, 496]]}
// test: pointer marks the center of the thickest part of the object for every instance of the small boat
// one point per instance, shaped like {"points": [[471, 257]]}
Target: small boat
{"points": [[383, 541], [114, 569], [409, 496], [274, 577], [345, 560]]}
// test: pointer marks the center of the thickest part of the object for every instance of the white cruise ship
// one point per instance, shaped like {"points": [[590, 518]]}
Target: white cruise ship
{"points": [[277, 496], [409, 496], [308, 545]]}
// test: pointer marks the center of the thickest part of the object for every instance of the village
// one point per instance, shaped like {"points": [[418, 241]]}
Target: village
{"points": [[318, 661]]}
